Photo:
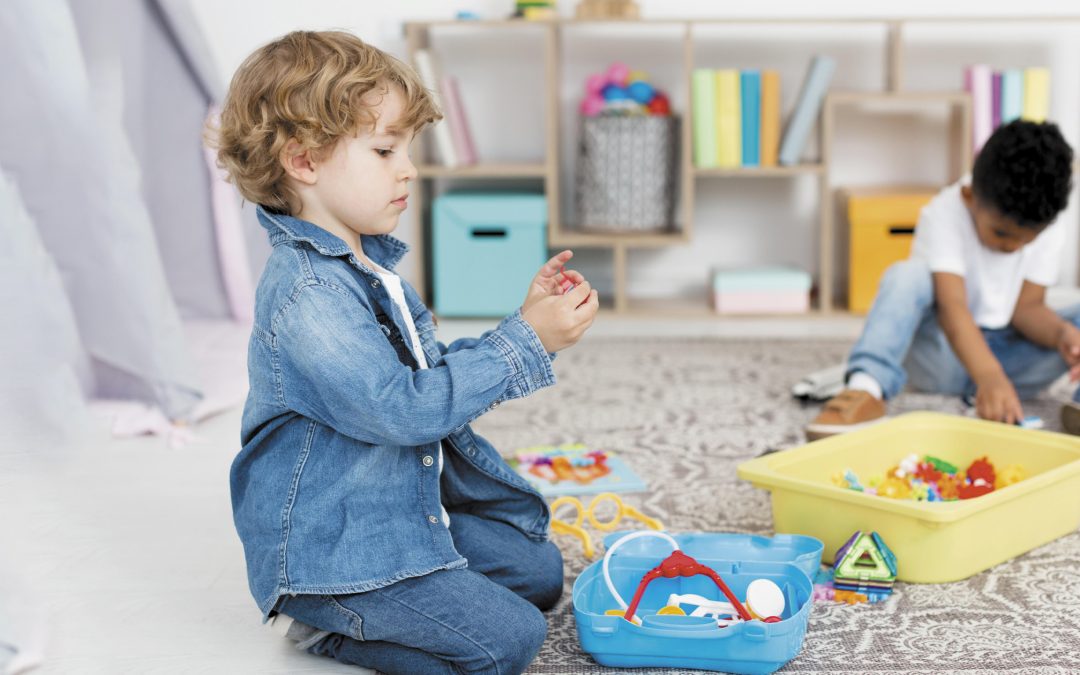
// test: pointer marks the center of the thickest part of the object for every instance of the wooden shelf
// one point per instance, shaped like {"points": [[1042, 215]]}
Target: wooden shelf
{"points": [[597, 239], [893, 97], [701, 308], [509, 170], [760, 171], [956, 97]]}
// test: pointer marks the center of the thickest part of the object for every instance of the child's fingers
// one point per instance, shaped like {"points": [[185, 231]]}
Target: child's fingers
{"points": [[579, 294], [551, 267]]}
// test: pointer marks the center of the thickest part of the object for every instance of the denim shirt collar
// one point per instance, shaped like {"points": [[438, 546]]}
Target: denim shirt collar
{"points": [[382, 249]]}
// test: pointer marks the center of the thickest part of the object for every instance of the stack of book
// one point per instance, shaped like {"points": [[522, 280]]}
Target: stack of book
{"points": [[453, 138], [737, 116], [1001, 96]]}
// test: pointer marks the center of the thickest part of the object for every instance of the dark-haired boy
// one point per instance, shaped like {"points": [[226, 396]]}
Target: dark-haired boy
{"points": [[966, 313]]}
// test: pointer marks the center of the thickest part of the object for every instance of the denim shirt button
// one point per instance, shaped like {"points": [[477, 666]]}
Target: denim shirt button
{"points": [[472, 450], [432, 519], [428, 461], [374, 283]]}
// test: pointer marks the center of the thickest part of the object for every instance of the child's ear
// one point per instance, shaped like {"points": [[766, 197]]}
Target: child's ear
{"points": [[298, 162], [967, 195]]}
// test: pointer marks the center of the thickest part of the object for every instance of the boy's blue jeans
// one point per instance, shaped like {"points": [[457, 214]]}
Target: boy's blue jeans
{"points": [[902, 340], [482, 619]]}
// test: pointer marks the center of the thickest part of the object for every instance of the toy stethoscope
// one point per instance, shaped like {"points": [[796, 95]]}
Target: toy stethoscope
{"points": [[763, 595], [574, 527]]}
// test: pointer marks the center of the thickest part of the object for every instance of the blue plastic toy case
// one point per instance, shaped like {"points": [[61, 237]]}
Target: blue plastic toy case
{"points": [[752, 647]]}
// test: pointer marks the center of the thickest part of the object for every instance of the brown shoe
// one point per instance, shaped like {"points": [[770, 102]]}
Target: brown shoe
{"points": [[849, 410], [1070, 418]]}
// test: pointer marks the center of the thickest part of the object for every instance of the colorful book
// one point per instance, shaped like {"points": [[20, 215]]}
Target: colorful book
{"points": [[750, 99], [1036, 94], [456, 120], [770, 117], [703, 95], [429, 75], [978, 81], [995, 101], [728, 119], [807, 108], [556, 470], [1012, 95]]}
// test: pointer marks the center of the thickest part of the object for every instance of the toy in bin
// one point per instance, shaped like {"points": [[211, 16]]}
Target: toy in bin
{"points": [[727, 602]]}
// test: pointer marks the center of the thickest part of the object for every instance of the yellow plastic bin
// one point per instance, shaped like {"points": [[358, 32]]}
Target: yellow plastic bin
{"points": [[934, 542]]}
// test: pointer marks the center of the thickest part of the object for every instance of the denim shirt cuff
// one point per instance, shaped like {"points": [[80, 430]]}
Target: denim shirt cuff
{"points": [[529, 362]]}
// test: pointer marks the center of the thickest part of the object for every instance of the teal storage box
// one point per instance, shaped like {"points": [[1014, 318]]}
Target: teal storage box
{"points": [[486, 249]]}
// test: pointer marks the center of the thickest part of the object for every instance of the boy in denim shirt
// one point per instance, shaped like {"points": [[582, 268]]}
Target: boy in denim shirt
{"points": [[378, 528], [966, 314]]}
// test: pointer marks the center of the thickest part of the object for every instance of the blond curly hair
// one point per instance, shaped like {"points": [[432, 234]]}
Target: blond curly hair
{"points": [[309, 86]]}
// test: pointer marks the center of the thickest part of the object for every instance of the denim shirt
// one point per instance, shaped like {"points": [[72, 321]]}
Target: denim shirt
{"points": [[335, 489]]}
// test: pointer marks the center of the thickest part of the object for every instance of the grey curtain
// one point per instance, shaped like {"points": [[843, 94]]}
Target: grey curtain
{"points": [[79, 179]]}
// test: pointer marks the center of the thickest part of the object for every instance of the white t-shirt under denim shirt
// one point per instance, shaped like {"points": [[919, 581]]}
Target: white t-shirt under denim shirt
{"points": [[392, 282], [946, 240]]}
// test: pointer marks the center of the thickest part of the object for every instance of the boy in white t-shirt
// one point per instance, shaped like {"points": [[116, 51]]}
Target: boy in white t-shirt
{"points": [[966, 313]]}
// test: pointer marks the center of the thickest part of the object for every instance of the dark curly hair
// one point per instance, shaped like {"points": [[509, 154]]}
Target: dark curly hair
{"points": [[1025, 172]]}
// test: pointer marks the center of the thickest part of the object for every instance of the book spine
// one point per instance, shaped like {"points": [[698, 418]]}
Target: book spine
{"points": [[1036, 94], [770, 117], [995, 101], [811, 96], [703, 93], [444, 143], [458, 123], [750, 97], [728, 113], [978, 81], [1012, 95]]}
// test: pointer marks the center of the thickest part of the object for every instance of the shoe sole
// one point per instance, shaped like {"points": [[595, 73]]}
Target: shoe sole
{"points": [[816, 432], [1070, 418]]}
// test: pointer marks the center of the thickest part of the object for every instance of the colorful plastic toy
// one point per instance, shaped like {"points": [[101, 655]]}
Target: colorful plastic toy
{"points": [[663, 632], [574, 528], [931, 479], [621, 91], [864, 564]]}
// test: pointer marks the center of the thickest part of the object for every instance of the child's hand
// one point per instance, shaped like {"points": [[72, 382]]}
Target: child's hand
{"points": [[996, 400], [549, 280], [561, 320], [1069, 348]]}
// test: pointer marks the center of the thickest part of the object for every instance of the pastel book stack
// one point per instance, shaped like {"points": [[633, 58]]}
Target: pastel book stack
{"points": [[999, 97], [865, 564], [452, 135], [736, 118], [761, 290]]}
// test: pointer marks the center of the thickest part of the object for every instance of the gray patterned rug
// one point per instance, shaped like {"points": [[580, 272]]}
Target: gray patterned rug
{"points": [[687, 412]]}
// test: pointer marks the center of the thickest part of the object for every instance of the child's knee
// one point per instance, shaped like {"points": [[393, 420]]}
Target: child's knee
{"points": [[548, 584], [909, 277], [522, 634]]}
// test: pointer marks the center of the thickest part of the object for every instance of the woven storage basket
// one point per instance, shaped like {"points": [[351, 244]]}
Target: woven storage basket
{"points": [[627, 173]]}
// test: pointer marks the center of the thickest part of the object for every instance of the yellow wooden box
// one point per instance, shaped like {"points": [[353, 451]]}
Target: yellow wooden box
{"points": [[934, 542], [881, 228]]}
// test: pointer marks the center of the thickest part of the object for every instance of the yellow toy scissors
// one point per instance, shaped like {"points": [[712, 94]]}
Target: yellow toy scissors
{"points": [[575, 528]]}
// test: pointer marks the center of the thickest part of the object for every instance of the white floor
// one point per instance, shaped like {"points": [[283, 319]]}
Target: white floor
{"points": [[125, 548], [128, 548]]}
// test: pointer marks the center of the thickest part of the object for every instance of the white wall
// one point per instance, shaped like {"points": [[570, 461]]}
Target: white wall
{"points": [[737, 221]]}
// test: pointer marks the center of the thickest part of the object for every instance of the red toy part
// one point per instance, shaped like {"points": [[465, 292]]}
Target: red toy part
{"points": [[659, 105], [927, 473], [981, 468], [678, 564], [973, 490]]}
